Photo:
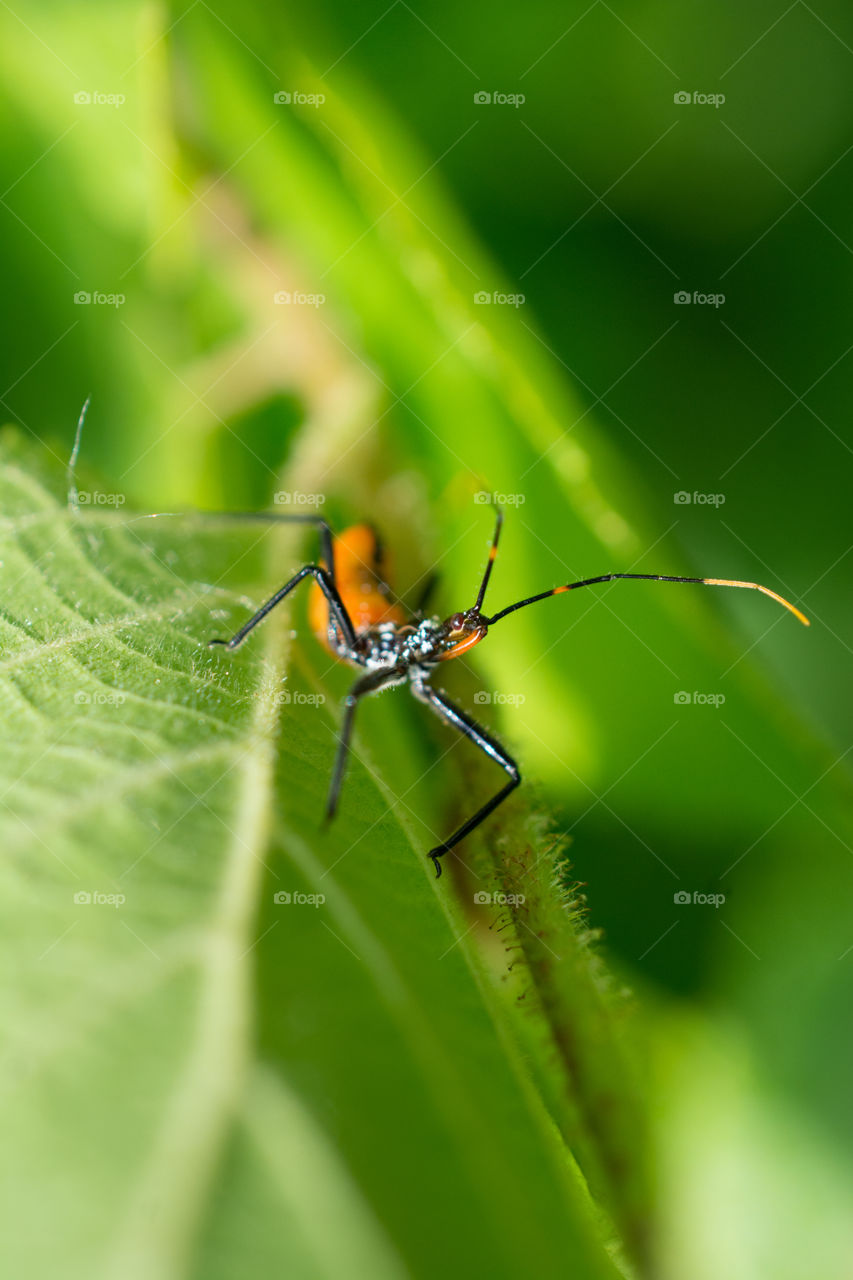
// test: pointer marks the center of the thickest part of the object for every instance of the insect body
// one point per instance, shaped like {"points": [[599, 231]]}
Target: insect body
{"points": [[352, 613], [359, 570]]}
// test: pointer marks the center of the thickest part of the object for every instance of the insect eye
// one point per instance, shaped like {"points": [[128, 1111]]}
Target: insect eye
{"points": [[456, 621]]}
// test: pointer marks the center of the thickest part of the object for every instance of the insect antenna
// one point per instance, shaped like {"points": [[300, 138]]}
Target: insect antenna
{"points": [[649, 577], [493, 551]]}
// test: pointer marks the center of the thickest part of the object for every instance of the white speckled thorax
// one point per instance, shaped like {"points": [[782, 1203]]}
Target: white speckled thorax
{"points": [[415, 646]]}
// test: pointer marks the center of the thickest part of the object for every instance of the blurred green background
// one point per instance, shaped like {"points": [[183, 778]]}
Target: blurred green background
{"points": [[146, 159]]}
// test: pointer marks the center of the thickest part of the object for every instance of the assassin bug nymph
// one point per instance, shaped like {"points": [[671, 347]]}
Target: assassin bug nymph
{"points": [[353, 615]]}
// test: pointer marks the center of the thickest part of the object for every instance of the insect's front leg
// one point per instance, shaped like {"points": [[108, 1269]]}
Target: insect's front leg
{"points": [[468, 727], [370, 683], [337, 609]]}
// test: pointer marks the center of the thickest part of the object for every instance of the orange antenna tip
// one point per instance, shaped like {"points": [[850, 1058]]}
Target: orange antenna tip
{"points": [[756, 586]]}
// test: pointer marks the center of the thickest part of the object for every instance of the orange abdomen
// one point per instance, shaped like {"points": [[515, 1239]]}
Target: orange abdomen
{"points": [[359, 573]]}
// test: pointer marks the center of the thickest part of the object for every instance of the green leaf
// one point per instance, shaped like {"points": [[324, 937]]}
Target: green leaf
{"points": [[199, 199], [196, 1075]]}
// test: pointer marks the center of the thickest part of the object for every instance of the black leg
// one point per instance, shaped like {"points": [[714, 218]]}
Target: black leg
{"points": [[337, 609], [469, 728], [370, 683], [269, 517]]}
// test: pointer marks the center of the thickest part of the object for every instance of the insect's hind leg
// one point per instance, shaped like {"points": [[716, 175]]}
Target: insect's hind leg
{"points": [[468, 727], [278, 517], [338, 616], [369, 683]]}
